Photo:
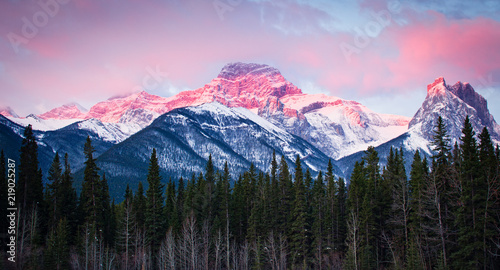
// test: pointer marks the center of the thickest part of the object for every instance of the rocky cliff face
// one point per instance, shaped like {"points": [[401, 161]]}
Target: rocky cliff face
{"points": [[453, 104], [336, 126]]}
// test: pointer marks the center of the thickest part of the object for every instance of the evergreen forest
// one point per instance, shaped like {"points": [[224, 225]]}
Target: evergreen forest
{"points": [[442, 213]]}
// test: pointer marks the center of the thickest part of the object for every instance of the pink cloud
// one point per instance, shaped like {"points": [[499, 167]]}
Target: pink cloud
{"points": [[402, 58], [471, 45], [91, 51]]}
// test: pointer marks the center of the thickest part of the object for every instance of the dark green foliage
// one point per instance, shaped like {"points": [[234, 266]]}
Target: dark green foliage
{"points": [[92, 197], [57, 250], [299, 232], [170, 206], [29, 192], [61, 198], [443, 217], [29, 188], [139, 207], [68, 201], [341, 216], [53, 193], [319, 223], [490, 186], [442, 191], [285, 195], [154, 219], [470, 214], [398, 221]]}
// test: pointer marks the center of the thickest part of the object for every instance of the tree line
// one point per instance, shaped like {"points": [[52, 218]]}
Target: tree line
{"points": [[443, 214]]}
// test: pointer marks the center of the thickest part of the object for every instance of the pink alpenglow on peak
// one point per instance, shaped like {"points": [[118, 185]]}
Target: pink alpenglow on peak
{"points": [[68, 111], [113, 109], [337, 126], [8, 112], [438, 87], [250, 85]]}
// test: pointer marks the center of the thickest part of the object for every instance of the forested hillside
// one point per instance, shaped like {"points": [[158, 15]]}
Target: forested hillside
{"points": [[443, 214]]}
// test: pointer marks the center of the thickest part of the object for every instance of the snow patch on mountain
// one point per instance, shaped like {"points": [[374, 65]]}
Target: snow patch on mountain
{"points": [[8, 112], [38, 123], [453, 104], [110, 132], [67, 111], [339, 127]]}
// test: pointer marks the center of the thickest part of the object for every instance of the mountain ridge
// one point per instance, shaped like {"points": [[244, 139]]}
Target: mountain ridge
{"points": [[336, 126]]}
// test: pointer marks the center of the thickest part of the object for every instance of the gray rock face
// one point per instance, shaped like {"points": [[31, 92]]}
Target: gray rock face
{"points": [[234, 70], [453, 104]]}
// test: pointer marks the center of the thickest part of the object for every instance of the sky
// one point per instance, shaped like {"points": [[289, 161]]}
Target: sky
{"points": [[380, 53]]}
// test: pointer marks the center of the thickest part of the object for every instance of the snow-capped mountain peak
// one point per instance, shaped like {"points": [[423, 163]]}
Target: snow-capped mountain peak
{"points": [[67, 111], [248, 85], [336, 126], [234, 71], [8, 112], [438, 87], [453, 104]]}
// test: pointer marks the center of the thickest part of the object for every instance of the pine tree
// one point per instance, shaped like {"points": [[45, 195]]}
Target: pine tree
{"points": [[472, 200], [286, 197], [207, 193], [489, 181], [68, 201], [416, 189], [318, 209], [355, 233], [341, 230], [55, 179], [189, 197], [439, 189], [29, 193], [154, 205], [139, 207], [237, 211], [417, 194], [30, 187], [127, 227], [57, 251], [256, 224], [299, 230], [170, 205], [374, 214], [274, 196], [91, 198], [331, 207], [179, 206], [111, 226]]}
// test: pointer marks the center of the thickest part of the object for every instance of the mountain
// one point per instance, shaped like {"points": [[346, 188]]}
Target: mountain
{"points": [[242, 116], [238, 85], [336, 126], [453, 103], [66, 140], [68, 111], [8, 112], [185, 137]]}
